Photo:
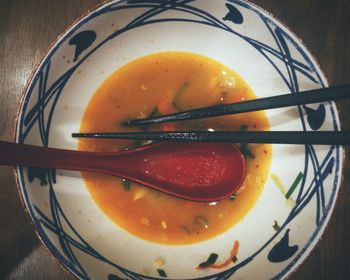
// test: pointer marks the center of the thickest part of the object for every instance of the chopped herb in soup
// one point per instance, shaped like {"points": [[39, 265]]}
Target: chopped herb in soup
{"points": [[165, 83]]}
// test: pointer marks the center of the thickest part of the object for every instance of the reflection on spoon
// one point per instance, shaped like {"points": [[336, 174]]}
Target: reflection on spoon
{"points": [[195, 171]]}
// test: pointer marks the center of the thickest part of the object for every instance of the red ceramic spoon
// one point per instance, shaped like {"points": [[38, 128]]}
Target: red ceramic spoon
{"points": [[195, 171]]}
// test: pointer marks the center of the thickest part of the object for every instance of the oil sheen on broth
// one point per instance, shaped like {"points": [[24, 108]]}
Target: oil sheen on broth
{"points": [[164, 83]]}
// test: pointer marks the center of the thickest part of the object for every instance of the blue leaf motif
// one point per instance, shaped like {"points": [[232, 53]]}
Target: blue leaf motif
{"points": [[233, 15], [82, 41], [41, 174], [282, 251], [316, 118]]}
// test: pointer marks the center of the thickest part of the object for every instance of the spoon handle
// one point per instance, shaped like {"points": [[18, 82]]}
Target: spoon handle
{"points": [[27, 155]]}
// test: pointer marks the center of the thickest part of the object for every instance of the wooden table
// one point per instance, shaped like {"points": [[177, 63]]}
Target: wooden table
{"points": [[27, 29]]}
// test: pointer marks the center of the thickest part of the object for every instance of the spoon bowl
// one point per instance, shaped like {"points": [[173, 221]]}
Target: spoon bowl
{"points": [[194, 171]]}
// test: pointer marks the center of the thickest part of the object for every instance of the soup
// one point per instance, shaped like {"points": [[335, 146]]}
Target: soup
{"points": [[164, 83]]}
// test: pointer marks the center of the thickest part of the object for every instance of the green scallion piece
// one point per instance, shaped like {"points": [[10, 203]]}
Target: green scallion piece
{"points": [[162, 273], [294, 185], [178, 94], [201, 221], [154, 113], [127, 185], [186, 229], [211, 260], [276, 226], [243, 127], [247, 153]]}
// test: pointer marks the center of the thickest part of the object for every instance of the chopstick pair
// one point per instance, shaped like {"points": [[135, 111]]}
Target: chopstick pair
{"points": [[272, 137]]}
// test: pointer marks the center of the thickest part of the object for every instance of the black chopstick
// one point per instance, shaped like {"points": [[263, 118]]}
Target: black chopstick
{"points": [[272, 137], [286, 100]]}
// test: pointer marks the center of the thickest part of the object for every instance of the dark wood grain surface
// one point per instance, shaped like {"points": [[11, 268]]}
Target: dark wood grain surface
{"points": [[27, 29]]}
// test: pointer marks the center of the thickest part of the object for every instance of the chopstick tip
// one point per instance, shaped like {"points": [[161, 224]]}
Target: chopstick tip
{"points": [[128, 123], [135, 122]]}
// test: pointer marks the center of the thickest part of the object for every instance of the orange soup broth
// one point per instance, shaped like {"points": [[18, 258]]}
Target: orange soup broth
{"points": [[164, 83]]}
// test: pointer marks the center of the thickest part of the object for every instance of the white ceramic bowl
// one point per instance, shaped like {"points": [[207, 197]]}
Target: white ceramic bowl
{"points": [[247, 39]]}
